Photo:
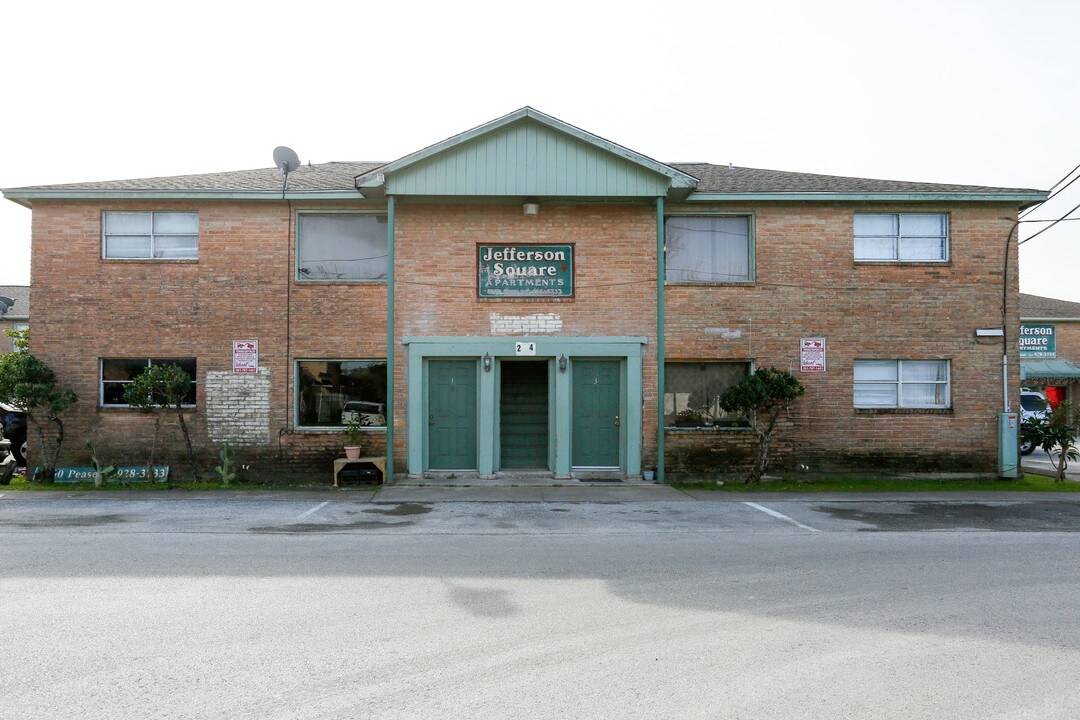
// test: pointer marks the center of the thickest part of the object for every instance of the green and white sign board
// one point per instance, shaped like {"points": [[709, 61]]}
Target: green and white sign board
{"points": [[124, 473], [527, 271], [1037, 341]]}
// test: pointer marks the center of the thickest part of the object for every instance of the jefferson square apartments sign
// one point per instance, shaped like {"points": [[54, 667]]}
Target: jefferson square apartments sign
{"points": [[525, 271]]}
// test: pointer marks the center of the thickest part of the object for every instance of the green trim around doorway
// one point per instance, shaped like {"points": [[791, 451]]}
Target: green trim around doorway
{"points": [[628, 349]]}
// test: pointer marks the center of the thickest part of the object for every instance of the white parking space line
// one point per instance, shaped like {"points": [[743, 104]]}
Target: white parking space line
{"points": [[781, 516], [311, 511]]}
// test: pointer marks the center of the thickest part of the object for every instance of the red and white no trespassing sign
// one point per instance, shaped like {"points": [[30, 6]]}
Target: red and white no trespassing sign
{"points": [[812, 355], [245, 356]]}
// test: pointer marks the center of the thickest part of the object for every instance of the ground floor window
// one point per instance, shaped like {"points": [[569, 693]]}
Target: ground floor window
{"points": [[337, 393], [692, 393], [902, 383], [116, 373]]}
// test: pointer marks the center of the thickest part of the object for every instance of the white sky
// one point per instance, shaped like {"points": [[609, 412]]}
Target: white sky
{"points": [[965, 92]]}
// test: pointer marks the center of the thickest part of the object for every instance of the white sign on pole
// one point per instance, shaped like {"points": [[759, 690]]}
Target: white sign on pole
{"points": [[812, 355], [245, 356], [525, 348]]}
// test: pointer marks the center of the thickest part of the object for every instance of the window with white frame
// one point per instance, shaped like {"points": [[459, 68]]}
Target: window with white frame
{"points": [[708, 249], [117, 373], [692, 393], [916, 237], [341, 246], [150, 235], [902, 384], [338, 393]]}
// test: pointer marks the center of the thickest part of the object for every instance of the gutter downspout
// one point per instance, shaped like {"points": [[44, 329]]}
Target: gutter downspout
{"points": [[389, 479], [660, 273]]}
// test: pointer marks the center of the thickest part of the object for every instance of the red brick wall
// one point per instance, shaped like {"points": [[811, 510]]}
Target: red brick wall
{"points": [[615, 286], [86, 308], [809, 285]]}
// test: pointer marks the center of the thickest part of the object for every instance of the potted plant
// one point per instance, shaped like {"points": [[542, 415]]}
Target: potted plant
{"points": [[352, 446], [689, 418]]}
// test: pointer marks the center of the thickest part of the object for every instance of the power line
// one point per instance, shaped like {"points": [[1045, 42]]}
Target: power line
{"points": [[1052, 190], [1064, 178], [1060, 219]]}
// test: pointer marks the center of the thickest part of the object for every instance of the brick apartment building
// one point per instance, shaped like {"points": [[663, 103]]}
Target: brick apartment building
{"points": [[494, 299]]}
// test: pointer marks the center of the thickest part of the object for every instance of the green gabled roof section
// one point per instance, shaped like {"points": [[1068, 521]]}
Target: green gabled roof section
{"points": [[527, 154]]}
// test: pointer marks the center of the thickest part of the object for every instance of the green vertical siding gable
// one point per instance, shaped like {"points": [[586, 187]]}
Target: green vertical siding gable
{"points": [[527, 159]]}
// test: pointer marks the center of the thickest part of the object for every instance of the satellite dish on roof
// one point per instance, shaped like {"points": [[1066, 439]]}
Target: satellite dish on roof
{"points": [[286, 160], [6, 304]]}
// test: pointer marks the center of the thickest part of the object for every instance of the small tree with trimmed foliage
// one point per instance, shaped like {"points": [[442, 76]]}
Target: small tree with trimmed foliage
{"points": [[762, 398], [30, 385], [1059, 429], [156, 390]]}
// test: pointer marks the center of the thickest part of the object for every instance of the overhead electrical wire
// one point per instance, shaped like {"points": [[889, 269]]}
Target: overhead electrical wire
{"points": [[1053, 192], [1055, 222]]}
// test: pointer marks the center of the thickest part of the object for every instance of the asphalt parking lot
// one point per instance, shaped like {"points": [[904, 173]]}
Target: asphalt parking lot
{"points": [[435, 603], [464, 511]]}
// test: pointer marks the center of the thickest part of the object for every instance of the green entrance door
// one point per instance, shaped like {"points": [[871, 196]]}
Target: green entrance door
{"points": [[451, 415], [595, 429], [523, 415]]}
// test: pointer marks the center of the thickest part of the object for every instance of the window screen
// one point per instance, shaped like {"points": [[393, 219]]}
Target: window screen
{"points": [[707, 249], [692, 393], [342, 247]]}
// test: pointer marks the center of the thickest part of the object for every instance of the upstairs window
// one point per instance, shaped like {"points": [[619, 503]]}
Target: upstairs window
{"points": [[708, 249], [913, 237], [341, 247], [902, 383], [151, 236]]}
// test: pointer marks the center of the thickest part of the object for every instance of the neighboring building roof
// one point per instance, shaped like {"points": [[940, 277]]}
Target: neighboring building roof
{"points": [[704, 182], [1048, 370], [1044, 308], [21, 295]]}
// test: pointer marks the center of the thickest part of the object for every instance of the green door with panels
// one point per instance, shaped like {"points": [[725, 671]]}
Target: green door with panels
{"points": [[595, 429], [451, 415]]}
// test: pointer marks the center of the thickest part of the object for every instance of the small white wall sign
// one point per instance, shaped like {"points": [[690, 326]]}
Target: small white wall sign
{"points": [[812, 355], [245, 356], [525, 348]]}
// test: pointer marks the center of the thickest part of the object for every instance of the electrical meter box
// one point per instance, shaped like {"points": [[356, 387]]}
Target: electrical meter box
{"points": [[1008, 445]]}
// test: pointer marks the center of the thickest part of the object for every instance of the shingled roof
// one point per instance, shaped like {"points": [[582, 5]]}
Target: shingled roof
{"points": [[339, 176], [730, 179], [1035, 306], [321, 177]]}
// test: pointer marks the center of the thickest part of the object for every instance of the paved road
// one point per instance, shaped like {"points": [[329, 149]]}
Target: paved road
{"points": [[332, 606]]}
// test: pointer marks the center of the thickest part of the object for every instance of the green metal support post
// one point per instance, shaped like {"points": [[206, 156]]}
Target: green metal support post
{"points": [[389, 340], [660, 340]]}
